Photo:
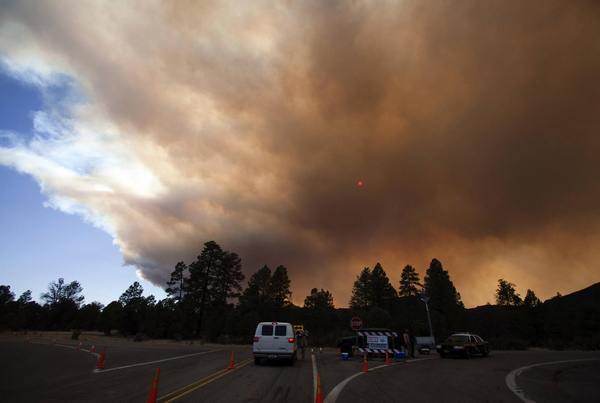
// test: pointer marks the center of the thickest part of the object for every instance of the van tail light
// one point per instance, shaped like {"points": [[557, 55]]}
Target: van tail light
{"points": [[291, 340], [256, 339]]}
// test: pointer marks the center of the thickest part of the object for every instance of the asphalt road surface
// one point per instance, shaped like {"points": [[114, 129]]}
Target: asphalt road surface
{"points": [[38, 371]]}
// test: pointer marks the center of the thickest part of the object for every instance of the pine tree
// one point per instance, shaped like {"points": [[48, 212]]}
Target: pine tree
{"points": [[280, 288], [382, 292], [256, 295], [361, 292], [409, 281], [319, 300], [531, 300], [202, 275], [506, 294], [445, 304], [177, 282], [228, 279]]}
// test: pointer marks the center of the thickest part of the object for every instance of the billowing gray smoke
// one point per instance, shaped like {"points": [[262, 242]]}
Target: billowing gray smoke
{"points": [[472, 125]]}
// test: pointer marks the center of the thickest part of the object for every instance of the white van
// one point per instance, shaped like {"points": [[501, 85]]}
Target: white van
{"points": [[274, 341]]}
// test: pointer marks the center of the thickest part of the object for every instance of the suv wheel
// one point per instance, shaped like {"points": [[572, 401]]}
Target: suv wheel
{"points": [[257, 361], [467, 353]]}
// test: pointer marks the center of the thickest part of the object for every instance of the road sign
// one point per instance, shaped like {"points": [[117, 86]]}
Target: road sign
{"points": [[356, 323], [378, 342]]}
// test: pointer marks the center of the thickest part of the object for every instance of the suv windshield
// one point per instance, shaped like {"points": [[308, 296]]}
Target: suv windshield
{"points": [[458, 339]]}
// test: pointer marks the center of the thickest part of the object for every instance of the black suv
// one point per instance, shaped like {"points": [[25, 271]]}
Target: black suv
{"points": [[345, 344]]}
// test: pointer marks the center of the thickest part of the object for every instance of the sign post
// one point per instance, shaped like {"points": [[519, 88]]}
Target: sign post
{"points": [[356, 324]]}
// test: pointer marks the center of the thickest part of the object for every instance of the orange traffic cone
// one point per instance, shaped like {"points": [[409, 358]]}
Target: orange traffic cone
{"points": [[54, 341], [319, 396], [92, 349], [387, 359], [231, 366], [365, 367], [320, 350], [79, 346], [27, 340], [101, 360], [154, 390]]}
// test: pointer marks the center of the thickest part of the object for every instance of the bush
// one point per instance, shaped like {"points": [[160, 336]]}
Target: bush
{"points": [[177, 337], [587, 343], [138, 338], [557, 345], [75, 335]]}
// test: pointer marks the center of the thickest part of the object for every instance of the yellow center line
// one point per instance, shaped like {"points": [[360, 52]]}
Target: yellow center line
{"points": [[213, 376]]}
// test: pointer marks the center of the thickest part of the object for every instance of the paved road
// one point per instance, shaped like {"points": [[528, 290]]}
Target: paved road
{"points": [[39, 371]]}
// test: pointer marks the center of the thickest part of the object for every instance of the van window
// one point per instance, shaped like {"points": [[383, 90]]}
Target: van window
{"points": [[267, 330], [280, 330]]}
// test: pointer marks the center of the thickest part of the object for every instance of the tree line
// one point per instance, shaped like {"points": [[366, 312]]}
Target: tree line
{"points": [[206, 300]]}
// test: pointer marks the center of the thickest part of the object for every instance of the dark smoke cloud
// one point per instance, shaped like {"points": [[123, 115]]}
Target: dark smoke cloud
{"points": [[473, 126]]}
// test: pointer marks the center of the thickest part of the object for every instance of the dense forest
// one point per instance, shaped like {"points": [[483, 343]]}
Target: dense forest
{"points": [[206, 300]]}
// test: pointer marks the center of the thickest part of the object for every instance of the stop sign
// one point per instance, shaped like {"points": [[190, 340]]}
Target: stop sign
{"points": [[356, 323]]}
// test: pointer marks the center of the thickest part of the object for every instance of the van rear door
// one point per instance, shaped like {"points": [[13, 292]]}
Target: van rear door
{"points": [[266, 338], [280, 339]]}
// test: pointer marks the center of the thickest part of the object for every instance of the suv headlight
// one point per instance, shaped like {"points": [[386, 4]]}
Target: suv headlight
{"points": [[438, 346]]}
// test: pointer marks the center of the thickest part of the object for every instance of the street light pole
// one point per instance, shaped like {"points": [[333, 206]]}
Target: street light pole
{"points": [[425, 299]]}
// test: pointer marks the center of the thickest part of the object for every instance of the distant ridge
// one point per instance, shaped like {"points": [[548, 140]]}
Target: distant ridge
{"points": [[591, 293]]}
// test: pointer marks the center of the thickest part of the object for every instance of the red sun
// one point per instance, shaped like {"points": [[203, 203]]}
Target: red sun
{"points": [[359, 183]]}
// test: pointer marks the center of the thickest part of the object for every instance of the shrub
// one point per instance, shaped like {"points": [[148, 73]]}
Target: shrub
{"points": [[557, 344], [75, 335]]}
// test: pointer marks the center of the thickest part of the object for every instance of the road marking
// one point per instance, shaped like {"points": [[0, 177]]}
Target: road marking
{"points": [[153, 362], [62, 345], [314, 363], [511, 378], [335, 392], [214, 378]]}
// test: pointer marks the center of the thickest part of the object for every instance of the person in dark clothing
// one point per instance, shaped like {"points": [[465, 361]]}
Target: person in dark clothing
{"points": [[412, 343]]}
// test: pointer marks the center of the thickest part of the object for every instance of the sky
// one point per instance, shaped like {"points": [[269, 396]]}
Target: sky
{"points": [[133, 132]]}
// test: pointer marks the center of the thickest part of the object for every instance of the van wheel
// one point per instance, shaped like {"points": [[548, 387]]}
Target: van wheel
{"points": [[257, 361], [292, 361]]}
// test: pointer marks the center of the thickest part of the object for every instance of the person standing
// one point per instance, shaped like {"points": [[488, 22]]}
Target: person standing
{"points": [[407, 342], [411, 337]]}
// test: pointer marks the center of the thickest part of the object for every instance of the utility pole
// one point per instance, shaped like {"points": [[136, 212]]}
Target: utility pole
{"points": [[425, 298]]}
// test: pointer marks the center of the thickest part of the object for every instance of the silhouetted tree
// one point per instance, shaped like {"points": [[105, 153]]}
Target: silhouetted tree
{"points": [[24, 299], [6, 295], [62, 303], [531, 300], [361, 291], [228, 279], [382, 292], [110, 318], [177, 282], [409, 281], [445, 304], [256, 296], [202, 276], [89, 316], [60, 292], [319, 299], [280, 288], [132, 295], [506, 294]]}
